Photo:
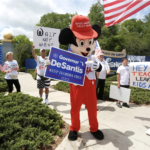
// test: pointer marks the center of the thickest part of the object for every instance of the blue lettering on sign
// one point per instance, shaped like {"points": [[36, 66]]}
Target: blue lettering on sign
{"points": [[66, 66], [139, 68], [149, 86], [140, 84]]}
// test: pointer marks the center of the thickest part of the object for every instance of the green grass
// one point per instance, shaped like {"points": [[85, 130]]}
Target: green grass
{"points": [[138, 95]]}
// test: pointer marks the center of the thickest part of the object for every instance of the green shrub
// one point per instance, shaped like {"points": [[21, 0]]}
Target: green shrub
{"points": [[112, 78], [3, 83], [31, 71], [138, 95], [22, 69], [26, 122], [62, 86]]}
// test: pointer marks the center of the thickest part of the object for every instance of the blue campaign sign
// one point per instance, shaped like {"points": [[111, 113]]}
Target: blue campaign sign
{"points": [[66, 66]]}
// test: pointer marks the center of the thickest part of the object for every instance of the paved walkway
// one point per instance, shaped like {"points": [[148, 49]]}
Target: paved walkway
{"points": [[123, 128]]}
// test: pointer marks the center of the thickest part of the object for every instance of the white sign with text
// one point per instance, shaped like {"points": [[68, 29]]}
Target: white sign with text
{"points": [[44, 38], [140, 74], [121, 94]]}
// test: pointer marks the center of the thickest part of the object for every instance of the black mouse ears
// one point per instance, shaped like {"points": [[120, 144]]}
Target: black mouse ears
{"points": [[65, 36], [97, 28]]}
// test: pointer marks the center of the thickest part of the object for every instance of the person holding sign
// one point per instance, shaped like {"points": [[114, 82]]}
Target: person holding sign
{"points": [[123, 78], [11, 69], [42, 82], [102, 75]]}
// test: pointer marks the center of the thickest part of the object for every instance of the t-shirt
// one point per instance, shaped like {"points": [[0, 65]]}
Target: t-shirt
{"points": [[11, 67], [124, 75], [105, 67], [40, 66]]}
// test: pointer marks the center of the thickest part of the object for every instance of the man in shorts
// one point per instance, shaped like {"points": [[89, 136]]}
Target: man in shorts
{"points": [[123, 78], [42, 82]]}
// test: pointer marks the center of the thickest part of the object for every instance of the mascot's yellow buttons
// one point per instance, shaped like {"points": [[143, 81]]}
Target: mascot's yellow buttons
{"points": [[89, 60]]}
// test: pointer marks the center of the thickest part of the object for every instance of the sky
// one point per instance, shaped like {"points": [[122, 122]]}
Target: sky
{"points": [[20, 16]]}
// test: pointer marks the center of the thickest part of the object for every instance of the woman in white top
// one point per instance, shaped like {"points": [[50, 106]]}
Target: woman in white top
{"points": [[102, 75], [11, 72]]}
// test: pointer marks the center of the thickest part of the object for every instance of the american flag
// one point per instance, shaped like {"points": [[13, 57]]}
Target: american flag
{"points": [[4, 67], [118, 10], [69, 48], [97, 49]]}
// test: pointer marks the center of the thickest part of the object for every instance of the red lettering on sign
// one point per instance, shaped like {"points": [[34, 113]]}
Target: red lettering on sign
{"points": [[140, 73], [134, 73]]}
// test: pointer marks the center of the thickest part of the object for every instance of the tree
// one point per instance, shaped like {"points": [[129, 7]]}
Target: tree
{"points": [[22, 49], [136, 35], [96, 14], [20, 39], [26, 52]]}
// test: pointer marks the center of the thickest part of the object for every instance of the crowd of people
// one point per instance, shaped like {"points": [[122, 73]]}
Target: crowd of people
{"points": [[11, 76], [123, 78], [44, 83]]}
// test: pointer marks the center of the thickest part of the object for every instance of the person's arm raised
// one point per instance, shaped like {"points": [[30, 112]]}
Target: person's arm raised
{"points": [[33, 53]]}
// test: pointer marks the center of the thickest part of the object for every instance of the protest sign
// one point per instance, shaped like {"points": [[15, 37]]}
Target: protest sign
{"points": [[121, 94], [140, 74], [44, 38], [66, 66]]}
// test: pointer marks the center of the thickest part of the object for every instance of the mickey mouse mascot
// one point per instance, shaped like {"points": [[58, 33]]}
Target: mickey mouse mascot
{"points": [[81, 37]]}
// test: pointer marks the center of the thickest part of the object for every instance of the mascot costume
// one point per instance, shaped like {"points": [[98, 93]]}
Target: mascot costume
{"points": [[81, 37]]}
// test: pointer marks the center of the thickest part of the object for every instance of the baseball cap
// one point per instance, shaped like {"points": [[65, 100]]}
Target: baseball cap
{"points": [[81, 27], [41, 50]]}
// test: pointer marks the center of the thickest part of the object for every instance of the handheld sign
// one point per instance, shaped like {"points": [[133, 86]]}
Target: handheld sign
{"points": [[66, 66], [122, 94], [140, 74], [44, 38]]}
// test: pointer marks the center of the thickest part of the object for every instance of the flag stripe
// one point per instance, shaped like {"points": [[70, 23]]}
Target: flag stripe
{"points": [[113, 3], [116, 9], [128, 14], [129, 9], [119, 10]]}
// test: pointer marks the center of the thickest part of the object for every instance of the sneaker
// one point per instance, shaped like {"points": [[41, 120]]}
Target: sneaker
{"points": [[47, 102], [118, 104], [125, 105], [148, 132]]}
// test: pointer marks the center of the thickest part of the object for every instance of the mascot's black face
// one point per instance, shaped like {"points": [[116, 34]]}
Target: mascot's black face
{"points": [[83, 47]]}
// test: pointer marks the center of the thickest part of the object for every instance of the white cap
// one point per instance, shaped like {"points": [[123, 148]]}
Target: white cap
{"points": [[41, 50]]}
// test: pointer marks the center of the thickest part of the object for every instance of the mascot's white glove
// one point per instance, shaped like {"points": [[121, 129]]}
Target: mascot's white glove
{"points": [[47, 62], [94, 63]]}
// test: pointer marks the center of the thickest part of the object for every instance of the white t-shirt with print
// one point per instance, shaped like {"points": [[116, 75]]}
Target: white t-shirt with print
{"points": [[11, 66], [40, 66], [124, 75], [105, 67]]}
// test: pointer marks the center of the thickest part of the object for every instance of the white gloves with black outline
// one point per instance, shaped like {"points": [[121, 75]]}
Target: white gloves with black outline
{"points": [[94, 63]]}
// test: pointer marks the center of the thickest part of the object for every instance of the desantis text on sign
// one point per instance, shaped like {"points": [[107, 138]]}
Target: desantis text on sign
{"points": [[44, 38], [140, 75], [66, 66]]}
